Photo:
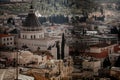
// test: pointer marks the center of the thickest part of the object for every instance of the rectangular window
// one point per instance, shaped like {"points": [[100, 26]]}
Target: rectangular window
{"points": [[4, 39], [11, 43], [7, 39], [10, 38], [7, 43]]}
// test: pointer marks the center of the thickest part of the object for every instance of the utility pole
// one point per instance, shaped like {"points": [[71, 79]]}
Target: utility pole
{"points": [[17, 67], [59, 67], [17, 62]]}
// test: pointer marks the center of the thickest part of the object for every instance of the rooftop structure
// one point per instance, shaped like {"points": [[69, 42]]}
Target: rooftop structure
{"points": [[101, 50]]}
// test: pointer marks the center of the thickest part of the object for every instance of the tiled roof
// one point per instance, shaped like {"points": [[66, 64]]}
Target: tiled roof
{"points": [[4, 35], [116, 48], [103, 54], [100, 45]]}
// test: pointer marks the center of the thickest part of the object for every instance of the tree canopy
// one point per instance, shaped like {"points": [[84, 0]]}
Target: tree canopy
{"points": [[117, 63], [106, 63]]}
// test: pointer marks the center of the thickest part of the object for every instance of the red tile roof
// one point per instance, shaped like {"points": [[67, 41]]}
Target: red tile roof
{"points": [[100, 45], [5, 35], [103, 54], [116, 48]]}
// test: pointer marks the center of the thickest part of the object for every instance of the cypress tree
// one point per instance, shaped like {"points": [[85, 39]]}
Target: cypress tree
{"points": [[62, 46], [58, 49]]}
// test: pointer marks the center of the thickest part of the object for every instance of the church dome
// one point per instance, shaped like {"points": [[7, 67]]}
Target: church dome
{"points": [[31, 19]]}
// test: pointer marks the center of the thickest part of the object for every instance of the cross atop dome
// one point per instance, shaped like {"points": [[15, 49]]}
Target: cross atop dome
{"points": [[31, 7]]}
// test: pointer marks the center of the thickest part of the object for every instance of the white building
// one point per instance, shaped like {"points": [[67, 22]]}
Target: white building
{"points": [[98, 48], [91, 32], [53, 31], [94, 65], [103, 29], [25, 77], [65, 69], [7, 40], [25, 57]]}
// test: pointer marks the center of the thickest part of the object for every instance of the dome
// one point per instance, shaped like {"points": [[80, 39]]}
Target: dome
{"points": [[31, 19]]}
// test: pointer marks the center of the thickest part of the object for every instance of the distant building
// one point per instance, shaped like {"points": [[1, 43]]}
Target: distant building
{"points": [[107, 38], [91, 32], [26, 57], [24, 77], [115, 71], [53, 31], [101, 50], [7, 40], [103, 29]]}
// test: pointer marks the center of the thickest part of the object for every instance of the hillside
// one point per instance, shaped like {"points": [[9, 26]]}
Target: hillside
{"points": [[50, 7]]}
